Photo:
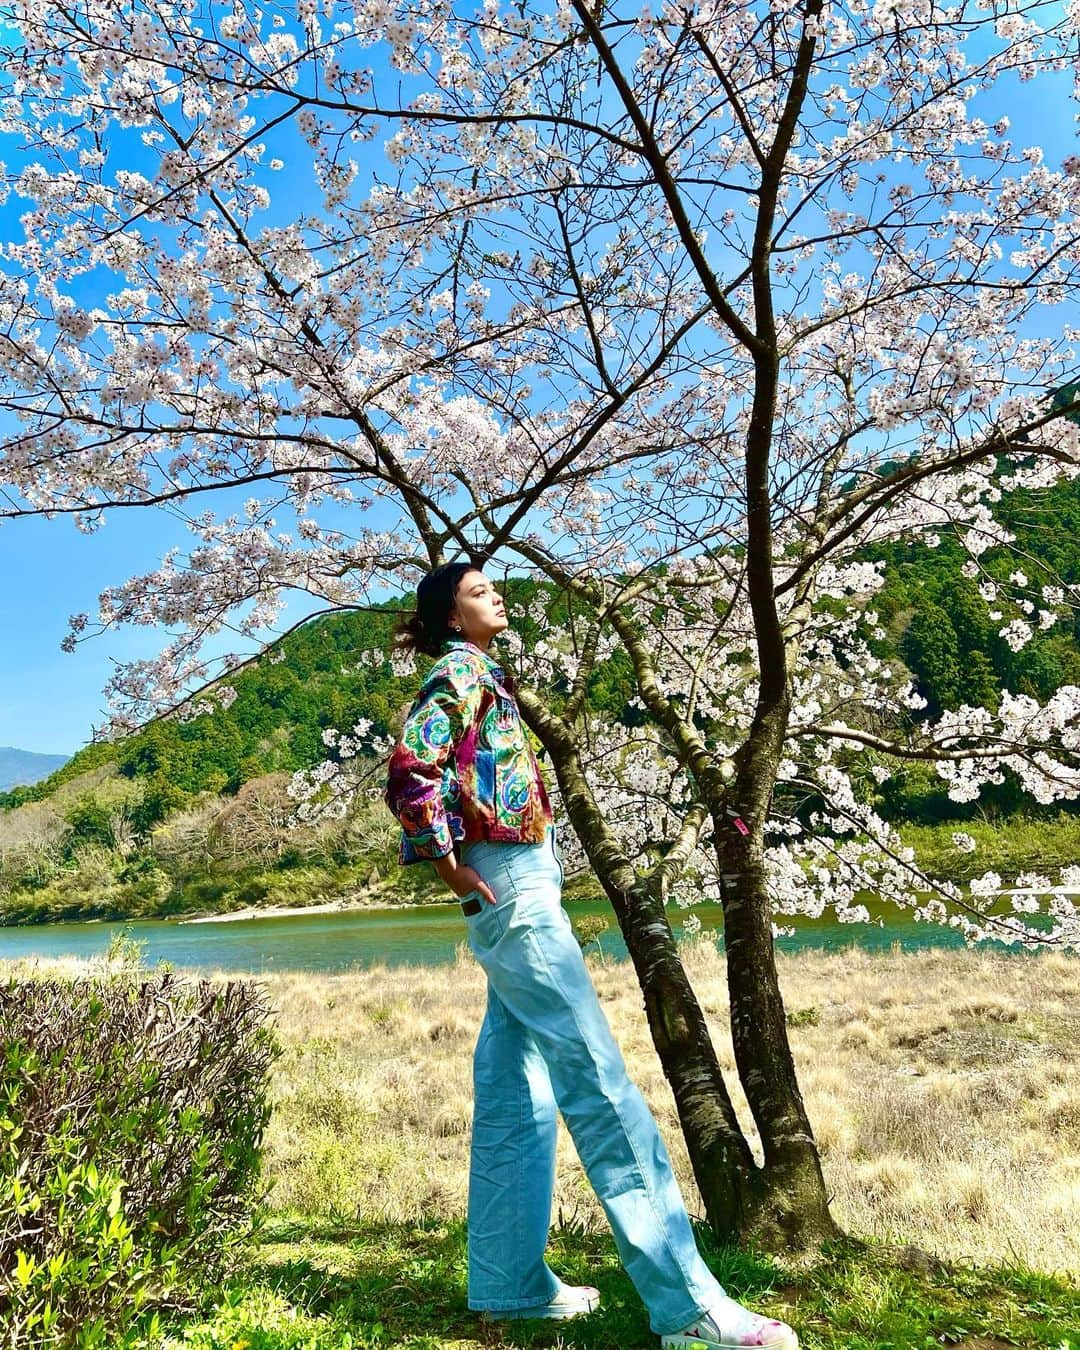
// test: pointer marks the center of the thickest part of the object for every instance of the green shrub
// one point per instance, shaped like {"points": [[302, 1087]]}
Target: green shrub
{"points": [[89, 822], [590, 928], [132, 1110]]}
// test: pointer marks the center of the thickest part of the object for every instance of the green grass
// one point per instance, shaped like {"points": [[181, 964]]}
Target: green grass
{"points": [[1022, 843], [311, 1286]]}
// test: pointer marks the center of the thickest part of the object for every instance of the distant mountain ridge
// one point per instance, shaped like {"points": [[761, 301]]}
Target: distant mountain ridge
{"points": [[23, 767]]}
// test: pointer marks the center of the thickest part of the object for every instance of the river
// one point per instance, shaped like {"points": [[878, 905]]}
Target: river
{"points": [[417, 935]]}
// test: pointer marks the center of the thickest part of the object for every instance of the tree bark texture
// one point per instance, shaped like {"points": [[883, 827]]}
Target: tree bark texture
{"points": [[791, 1207], [722, 1162], [775, 1206]]}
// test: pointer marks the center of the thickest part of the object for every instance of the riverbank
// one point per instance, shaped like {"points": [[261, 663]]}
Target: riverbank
{"points": [[362, 872], [343, 906]]}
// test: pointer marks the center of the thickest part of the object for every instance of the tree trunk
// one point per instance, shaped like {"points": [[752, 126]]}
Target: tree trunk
{"points": [[723, 1164], [791, 1205], [786, 1206]]}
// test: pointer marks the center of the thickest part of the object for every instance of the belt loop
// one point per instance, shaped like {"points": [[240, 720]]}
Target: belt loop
{"points": [[471, 906]]}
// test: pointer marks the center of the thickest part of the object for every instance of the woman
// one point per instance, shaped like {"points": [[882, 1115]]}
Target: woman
{"points": [[466, 787]]}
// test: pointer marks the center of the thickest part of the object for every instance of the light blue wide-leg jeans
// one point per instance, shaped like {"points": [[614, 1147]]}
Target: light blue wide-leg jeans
{"points": [[545, 1042]]}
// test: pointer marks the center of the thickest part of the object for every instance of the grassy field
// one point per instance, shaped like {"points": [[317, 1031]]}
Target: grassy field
{"points": [[944, 1093], [942, 1087]]}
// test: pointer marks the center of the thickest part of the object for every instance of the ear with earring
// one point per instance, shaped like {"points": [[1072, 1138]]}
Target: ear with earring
{"points": [[457, 628]]}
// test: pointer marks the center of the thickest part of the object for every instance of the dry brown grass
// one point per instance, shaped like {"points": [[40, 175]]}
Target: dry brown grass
{"points": [[942, 1087]]}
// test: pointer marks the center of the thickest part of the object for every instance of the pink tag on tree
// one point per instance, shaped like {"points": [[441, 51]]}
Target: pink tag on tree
{"points": [[741, 825]]}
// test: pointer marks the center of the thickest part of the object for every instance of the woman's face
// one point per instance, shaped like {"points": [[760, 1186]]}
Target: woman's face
{"points": [[478, 609]]}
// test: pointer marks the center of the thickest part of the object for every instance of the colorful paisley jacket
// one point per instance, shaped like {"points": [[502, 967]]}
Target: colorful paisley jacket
{"points": [[464, 769]]}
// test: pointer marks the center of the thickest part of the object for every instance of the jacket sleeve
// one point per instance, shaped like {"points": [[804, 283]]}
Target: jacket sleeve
{"points": [[444, 710]]}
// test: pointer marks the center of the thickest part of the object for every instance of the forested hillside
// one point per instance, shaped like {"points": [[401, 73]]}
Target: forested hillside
{"points": [[940, 626], [194, 814], [315, 680]]}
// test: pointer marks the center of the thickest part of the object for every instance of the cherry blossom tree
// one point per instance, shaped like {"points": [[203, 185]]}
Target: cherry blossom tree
{"points": [[684, 310]]}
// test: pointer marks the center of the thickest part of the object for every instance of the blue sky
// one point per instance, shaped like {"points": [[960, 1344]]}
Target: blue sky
{"points": [[49, 700]]}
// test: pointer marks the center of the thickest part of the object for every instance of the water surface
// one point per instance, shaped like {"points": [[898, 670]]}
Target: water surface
{"points": [[416, 935]]}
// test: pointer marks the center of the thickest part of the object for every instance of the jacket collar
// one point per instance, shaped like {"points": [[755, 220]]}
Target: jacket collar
{"points": [[453, 644]]}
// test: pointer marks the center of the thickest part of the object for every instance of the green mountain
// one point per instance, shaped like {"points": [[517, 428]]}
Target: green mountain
{"points": [[317, 679]]}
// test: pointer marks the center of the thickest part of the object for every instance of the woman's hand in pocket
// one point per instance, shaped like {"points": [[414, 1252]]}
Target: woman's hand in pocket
{"points": [[462, 879]]}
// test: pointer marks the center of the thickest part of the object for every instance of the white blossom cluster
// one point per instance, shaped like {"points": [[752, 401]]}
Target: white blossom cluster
{"points": [[358, 767]]}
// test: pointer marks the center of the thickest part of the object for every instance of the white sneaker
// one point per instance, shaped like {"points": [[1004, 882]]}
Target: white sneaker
{"points": [[729, 1326], [569, 1301]]}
